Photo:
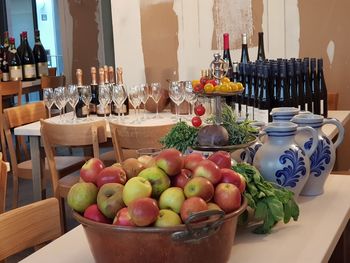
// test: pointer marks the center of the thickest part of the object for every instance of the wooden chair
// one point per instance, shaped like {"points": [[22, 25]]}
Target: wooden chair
{"points": [[333, 98], [82, 134], [3, 184], [128, 139], [22, 168], [29, 226], [7, 91]]}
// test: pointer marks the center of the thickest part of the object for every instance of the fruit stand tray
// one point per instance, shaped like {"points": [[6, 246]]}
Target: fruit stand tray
{"points": [[219, 94], [225, 147]]}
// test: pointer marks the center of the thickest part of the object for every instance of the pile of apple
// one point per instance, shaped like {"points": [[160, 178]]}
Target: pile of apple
{"points": [[162, 191]]}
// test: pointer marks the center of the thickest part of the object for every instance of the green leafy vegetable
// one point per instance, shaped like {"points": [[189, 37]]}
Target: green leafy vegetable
{"points": [[181, 136], [271, 203]]}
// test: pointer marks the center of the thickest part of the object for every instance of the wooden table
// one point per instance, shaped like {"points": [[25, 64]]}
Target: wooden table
{"points": [[311, 239], [33, 131]]}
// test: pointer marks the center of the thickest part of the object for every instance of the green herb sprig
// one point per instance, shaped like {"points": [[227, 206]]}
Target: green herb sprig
{"points": [[270, 203], [181, 136]]}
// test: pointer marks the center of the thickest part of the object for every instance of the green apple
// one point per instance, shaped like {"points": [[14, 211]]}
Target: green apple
{"points": [[158, 179], [81, 195], [213, 206], [172, 198], [136, 187], [110, 199], [167, 218]]}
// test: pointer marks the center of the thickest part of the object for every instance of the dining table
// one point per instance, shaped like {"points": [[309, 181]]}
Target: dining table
{"points": [[32, 130], [312, 238]]}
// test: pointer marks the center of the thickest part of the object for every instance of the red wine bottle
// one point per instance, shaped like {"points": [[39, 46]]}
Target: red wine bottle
{"points": [[80, 109], [94, 92], [261, 50], [229, 73], [314, 87], [14, 62], [27, 58], [4, 65], [20, 47], [244, 53], [323, 89], [40, 57]]}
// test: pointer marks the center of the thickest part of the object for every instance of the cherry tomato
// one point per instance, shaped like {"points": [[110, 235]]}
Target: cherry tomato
{"points": [[199, 110], [198, 88], [196, 121], [212, 81], [203, 80]]}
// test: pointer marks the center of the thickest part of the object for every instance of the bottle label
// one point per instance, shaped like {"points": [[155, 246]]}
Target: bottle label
{"points": [[15, 73], [5, 76], [322, 107], [43, 69], [29, 71]]}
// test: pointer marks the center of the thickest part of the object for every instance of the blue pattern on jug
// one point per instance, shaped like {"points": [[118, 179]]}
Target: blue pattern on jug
{"points": [[290, 175], [321, 157], [252, 152]]}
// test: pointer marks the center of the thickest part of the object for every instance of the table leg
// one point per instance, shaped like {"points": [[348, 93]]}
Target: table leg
{"points": [[37, 166]]}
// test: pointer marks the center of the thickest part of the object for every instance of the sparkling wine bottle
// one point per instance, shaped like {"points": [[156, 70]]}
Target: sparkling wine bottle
{"points": [[125, 107], [94, 92], [81, 110]]}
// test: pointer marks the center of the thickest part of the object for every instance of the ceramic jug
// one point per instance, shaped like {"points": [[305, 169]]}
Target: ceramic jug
{"points": [[247, 154], [282, 114], [281, 160], [322, 160]]}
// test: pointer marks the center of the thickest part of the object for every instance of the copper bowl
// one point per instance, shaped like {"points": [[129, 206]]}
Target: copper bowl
{"points": [[207, 241]]}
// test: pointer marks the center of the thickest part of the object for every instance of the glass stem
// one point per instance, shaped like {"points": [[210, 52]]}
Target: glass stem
{"points": [[49, 112], [157, 110]]}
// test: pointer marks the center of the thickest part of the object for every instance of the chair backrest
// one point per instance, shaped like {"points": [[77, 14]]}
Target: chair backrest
{"points": [[52, 81], [18, 116], [136, 137], [3, 184], [8, 90], [52, 71], [81, 134], [332, 99], [29, 226]]}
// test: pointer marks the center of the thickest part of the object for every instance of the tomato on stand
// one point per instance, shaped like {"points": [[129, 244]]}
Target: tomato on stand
{"points": [[196, 121]]}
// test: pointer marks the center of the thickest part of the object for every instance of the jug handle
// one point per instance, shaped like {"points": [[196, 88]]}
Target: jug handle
{"points": [[314, 135], [340, 130]]}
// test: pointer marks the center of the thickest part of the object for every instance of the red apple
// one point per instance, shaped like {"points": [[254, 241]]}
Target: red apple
{"points": [[170, 161], [192, 205], [91, 169], [228, 197], [201, 187], [143, 211], [243, 184], [221, 158], [181, 179], [192, 160], [123, 218], [93, 213], [112, 174], [209, 170], [230, 176]]}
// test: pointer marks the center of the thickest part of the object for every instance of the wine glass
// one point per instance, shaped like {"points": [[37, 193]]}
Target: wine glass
{"points": [[60, 99], [144, 96], [133, 95], [86, 96], [104, 97], [73, 98], [119, 96], [177, 95], [48, 97], [156, 93], [190, 96]]}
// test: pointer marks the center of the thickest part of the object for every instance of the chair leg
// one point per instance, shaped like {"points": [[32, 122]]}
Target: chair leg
{"points": [[63, 215], [15, 191], [3, 145]]}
